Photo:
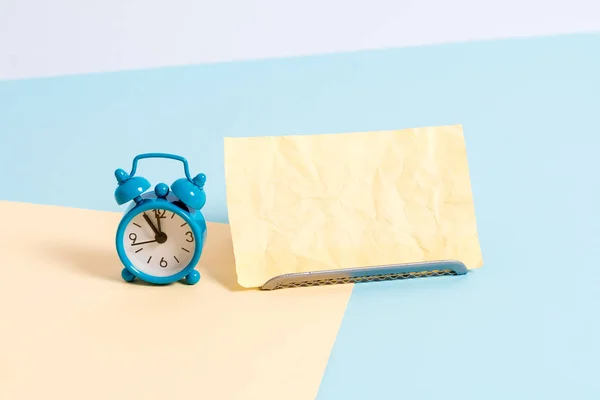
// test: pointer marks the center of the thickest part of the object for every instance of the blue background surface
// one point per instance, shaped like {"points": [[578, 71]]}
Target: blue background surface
{"points": [[524, 326]]}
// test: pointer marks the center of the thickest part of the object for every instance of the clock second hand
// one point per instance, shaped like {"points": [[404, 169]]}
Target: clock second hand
{"points": [[157, 220]]}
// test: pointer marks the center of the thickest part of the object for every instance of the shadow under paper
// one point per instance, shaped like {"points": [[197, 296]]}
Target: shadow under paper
{"points": [[217, 258]]}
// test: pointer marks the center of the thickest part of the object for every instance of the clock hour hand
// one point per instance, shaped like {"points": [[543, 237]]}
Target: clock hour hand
{"points": [[149, 221], [149, 241]]}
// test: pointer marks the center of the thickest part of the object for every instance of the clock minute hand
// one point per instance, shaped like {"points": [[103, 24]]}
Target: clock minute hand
{"points": [[149, 241], [149, 221]]}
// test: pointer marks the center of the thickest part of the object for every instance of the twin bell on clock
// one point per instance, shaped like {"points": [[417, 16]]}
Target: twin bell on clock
{"points": [[162, 233]]}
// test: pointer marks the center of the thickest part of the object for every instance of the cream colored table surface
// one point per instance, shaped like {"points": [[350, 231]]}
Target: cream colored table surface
{"points": [[73, 329]]}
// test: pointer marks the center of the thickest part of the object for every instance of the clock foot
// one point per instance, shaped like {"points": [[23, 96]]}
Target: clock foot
{"points": [[127, 276], [193, 277]]}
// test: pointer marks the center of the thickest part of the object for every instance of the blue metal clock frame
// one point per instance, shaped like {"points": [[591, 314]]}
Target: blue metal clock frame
{"points": [[186, 190]]}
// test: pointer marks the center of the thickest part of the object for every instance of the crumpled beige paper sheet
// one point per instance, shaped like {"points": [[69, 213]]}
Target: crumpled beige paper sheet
{"points": [[316, 202], [72, 329]]}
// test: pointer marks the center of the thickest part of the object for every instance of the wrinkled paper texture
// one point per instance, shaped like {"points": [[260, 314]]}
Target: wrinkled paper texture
{"points": [[318, 202]]}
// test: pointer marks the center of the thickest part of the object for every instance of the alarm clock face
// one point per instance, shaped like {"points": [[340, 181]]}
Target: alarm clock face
{"points": [[159, 242]]}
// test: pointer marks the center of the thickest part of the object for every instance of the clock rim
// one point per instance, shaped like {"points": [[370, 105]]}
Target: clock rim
{"points": [[150, 204]]}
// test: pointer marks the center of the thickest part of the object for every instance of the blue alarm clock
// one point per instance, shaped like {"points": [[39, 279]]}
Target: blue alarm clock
{"points": [[161, 235]]}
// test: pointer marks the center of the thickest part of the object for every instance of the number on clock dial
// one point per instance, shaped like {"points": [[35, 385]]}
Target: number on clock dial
{"points": [[153, 253]]}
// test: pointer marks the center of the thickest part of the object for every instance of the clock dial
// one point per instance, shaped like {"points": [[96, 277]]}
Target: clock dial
{"points": [[159, 242]]}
